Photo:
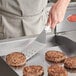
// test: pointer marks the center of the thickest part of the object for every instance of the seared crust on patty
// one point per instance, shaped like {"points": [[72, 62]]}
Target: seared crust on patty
{"points": [[54, 56], [57, 70], [16, 59], [70, 62], [33, 70]]}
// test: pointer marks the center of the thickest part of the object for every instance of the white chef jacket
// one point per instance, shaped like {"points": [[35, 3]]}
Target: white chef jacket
{"points": [[22, 17]]}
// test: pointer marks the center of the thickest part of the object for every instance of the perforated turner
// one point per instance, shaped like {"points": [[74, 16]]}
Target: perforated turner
{"points": [[35, 46]]}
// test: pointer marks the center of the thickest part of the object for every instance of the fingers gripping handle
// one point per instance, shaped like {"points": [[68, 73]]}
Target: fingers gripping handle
{"points": [[47, 28]]}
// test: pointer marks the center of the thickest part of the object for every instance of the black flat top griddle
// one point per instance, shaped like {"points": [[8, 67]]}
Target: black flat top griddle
{"points": [[5, 70]]}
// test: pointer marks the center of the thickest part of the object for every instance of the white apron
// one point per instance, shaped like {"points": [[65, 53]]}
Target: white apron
{"points": [[22, 17]]}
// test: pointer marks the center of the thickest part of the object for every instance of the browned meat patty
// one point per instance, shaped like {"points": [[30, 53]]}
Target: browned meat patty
{"points": [[70, 62], [33, 70], [54, 56], [16, 59], [57, 70]]}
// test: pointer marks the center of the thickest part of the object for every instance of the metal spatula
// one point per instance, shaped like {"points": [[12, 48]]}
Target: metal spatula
{"points": [[35, 46], [69, 44], [29, 50]]}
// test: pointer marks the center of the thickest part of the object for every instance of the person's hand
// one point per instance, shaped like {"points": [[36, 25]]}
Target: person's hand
{"points": [[56, 14]]}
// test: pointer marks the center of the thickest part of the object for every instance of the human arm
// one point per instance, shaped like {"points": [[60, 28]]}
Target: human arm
{"points": [[57, 12]]}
